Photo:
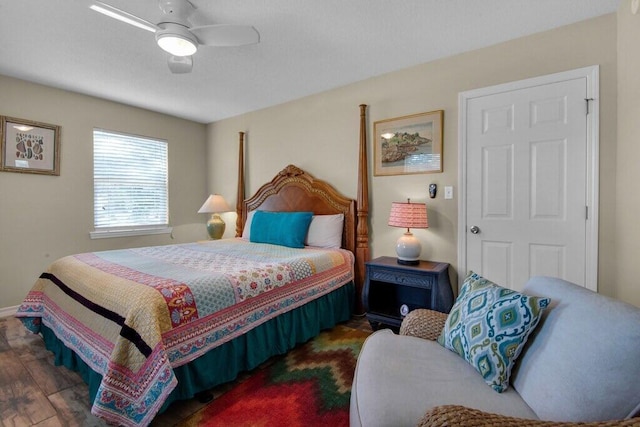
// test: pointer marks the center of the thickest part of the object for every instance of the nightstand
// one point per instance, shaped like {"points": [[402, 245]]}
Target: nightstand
{"points": [[391, 290]]}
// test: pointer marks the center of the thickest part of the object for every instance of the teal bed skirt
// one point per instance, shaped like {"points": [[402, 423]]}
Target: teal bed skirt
{"points": [[224, 363]]}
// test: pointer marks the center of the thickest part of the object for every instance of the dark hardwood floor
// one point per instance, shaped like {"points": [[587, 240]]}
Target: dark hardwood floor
{"points": [[35, 392]]}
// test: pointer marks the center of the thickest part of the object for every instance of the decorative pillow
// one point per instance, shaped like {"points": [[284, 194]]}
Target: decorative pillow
{"points": [[489, 325], [246, 231], [325, 231], [280, 228]]}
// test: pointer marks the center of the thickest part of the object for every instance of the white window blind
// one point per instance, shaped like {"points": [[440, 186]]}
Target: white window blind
{"points": [[130, 180]]}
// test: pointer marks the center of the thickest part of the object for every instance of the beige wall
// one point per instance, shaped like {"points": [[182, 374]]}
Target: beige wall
{"points": [[625, 283], [320, 133], [45, 217]]}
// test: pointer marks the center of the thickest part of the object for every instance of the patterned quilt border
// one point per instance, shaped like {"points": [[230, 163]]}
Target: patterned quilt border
{"points": [[186, 344]]}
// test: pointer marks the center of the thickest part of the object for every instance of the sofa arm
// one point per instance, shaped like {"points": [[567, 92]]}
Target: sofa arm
{"points": [[423, 323], [461, 416]]}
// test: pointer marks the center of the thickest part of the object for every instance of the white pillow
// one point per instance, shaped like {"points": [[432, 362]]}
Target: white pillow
{"points": [[246, 231], [325, 231]]}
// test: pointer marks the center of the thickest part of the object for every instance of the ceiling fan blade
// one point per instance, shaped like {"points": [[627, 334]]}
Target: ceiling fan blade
{"points": [[121, 15], [226, 35], [180, 64]]}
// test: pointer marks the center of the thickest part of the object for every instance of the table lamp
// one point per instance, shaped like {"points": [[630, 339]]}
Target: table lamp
{"points": [[408, 215], [215, 205]]}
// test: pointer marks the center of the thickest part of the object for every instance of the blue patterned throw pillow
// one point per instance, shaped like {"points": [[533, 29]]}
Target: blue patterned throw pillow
{"points": [[489, 325]]}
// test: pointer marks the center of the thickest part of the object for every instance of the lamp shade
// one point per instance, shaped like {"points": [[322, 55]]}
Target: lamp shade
{"points": [[408, 215], [215, 203]]}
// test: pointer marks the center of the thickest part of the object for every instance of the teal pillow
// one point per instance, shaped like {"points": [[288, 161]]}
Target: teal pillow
{"points": [[280, 228], [489, 325]]}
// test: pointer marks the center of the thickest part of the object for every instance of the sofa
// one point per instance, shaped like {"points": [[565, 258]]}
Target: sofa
{"points": [[581, 363]]}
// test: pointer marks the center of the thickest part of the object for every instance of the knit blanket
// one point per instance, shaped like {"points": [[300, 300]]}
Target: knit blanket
{"points": [[133, 315]]}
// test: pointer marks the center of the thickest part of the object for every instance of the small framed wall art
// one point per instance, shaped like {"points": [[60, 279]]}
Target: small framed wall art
{"points": [[408, 145], [29, 147]]}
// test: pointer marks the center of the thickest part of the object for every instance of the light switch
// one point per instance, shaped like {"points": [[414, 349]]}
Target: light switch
{"points": [[448, 192]]}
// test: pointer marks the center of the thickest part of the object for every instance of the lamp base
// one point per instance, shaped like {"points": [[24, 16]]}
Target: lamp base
{"points": [[408, 249], [406, 262], [215, 227]]}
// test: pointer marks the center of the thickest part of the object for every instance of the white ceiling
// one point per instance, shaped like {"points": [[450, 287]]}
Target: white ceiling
{"points": [[307, 46]]}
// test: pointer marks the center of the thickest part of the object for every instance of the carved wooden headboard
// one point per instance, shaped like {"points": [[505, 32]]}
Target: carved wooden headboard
{"points": [[296, 190]]}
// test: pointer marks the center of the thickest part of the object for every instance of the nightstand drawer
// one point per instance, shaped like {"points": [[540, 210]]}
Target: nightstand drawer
{"points": [[402, 278]]}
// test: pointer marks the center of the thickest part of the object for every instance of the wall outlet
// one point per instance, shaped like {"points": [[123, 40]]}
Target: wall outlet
{"points": [[448, 192]]}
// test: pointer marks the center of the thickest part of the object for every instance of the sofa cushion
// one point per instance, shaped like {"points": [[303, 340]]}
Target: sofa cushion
{"points": [[399, 378], [583, 361], [488, 326]]}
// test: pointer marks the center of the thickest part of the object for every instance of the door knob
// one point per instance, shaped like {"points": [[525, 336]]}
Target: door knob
{"points": [[474, 229]]}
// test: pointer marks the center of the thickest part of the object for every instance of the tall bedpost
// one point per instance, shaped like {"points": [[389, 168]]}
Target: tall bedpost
{"points": [[240, 196], [362, 230]]}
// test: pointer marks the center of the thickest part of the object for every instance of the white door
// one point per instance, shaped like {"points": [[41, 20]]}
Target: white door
{"points": [[527, 192]]}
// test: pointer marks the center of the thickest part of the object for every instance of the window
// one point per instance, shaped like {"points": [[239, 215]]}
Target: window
{"points": [[130, 184]]}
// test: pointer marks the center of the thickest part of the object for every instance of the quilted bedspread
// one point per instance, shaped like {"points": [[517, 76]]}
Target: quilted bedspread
{"points": [[133, 315]]}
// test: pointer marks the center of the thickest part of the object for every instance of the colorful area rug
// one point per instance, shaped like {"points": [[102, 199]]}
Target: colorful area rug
{"points": [[309, 386]]}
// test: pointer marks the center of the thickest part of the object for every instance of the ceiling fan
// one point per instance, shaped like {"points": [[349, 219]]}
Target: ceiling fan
{"points": [[175, 35]]}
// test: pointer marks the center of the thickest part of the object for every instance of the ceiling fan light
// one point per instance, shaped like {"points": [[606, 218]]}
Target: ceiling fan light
{"points": [[177, 45], [176, 40]]}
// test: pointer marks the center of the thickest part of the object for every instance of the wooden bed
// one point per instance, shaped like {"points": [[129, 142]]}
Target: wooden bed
{"points": [[139, 339]]}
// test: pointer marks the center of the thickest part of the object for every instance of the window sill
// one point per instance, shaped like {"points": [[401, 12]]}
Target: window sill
{"points": [[106, 234]]}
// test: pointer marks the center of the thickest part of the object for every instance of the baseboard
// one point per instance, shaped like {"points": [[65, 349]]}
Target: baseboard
{"points": [[8, 311]]}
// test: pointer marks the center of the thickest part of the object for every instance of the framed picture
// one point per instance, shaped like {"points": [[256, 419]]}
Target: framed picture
{"points": [[409, 144], [29, 147]]}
